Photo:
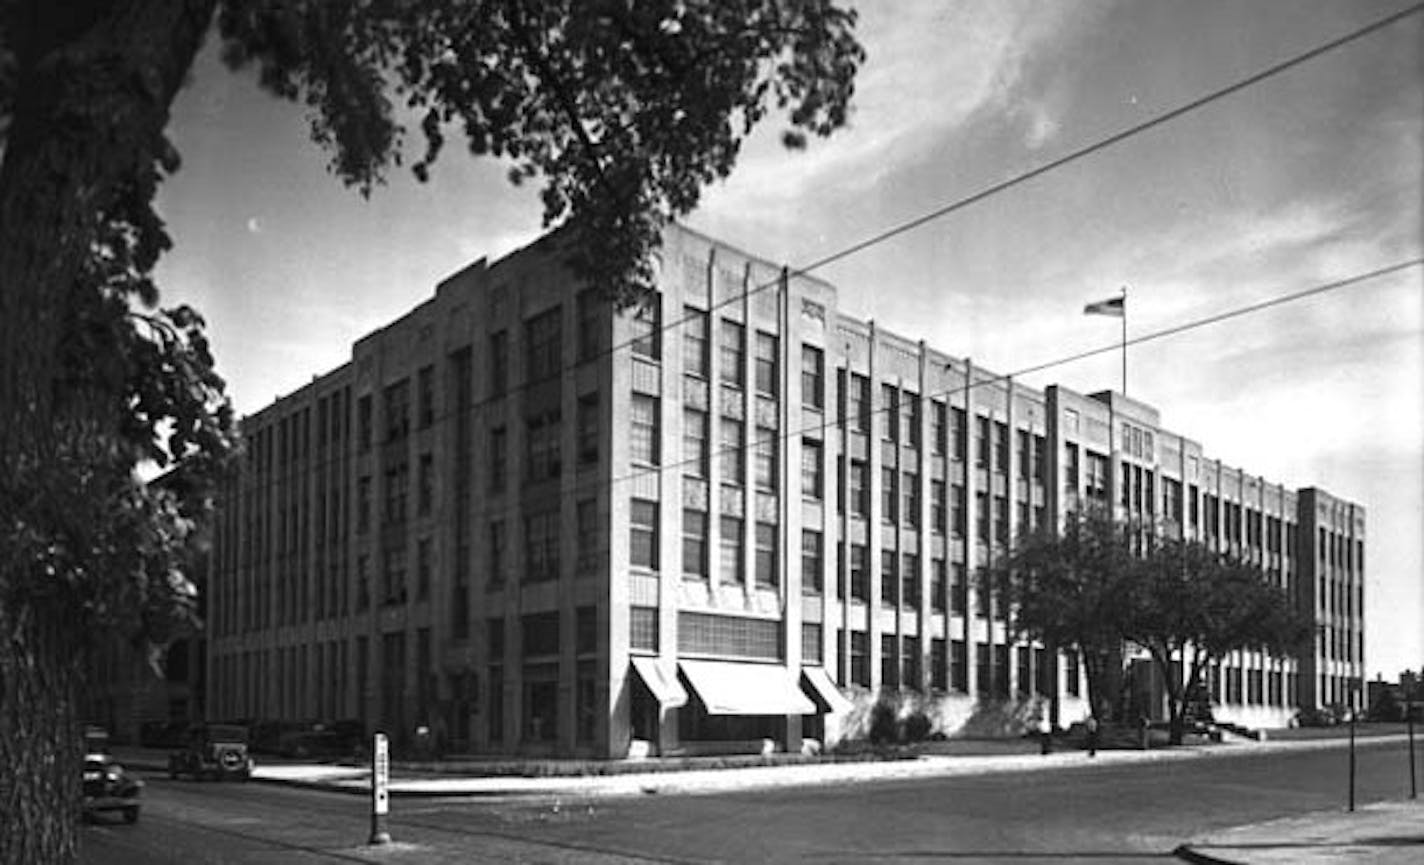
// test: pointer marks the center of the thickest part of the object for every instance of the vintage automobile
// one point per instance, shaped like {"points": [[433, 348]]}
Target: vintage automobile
{"points": [[213, 751], [108, 787]]}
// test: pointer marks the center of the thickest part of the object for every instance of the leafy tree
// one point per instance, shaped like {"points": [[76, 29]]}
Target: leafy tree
{"points": [[623, 111], [1068, 589], [1190, 607]]}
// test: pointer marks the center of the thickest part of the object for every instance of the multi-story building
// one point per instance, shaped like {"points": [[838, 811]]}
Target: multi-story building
{"points": [[539, 525]]}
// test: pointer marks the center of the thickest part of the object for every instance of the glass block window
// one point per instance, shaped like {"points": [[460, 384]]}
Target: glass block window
{"points": [[731, 636], [643, 628]]}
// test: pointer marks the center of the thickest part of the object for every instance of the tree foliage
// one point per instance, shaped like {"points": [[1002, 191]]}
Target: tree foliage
{"points": [[625, 110], [1192, 606], [1067, 589], [1097, 584], [621, 111]]}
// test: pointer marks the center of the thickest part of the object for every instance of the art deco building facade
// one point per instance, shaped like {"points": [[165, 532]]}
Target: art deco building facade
{"points": [[540, 526]]}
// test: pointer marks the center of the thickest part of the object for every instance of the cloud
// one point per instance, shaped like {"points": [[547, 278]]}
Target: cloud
{"points": [[912, 94]]}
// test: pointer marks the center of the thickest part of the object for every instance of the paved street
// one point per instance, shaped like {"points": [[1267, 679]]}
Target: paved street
{"points": [[1125, 813]]}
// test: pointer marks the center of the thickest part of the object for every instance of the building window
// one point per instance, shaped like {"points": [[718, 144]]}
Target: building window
{"points": [[734, 468], [499, 362], [859, 572], [425, 392], [889, 577], [812, 477], [363, 423], [859, 403], [766, 363], [426, 481], [911, 673], [363, 583], [890, 405], [811, 643], [422, 569], [646, 332], [694, 442], [937, 506], [910, 488], [889, 664], [981, 442], [730, 543], [766, 564], [1071, 674], [363, 505], [498, 457], [1001, 448], [643, 442], [860, 658], [543, 344], [859, 487], [542, 438], [732, 351], [643, 628], [939, 585], [694, 544], [887, 494], [813, 377], [588, 535], [910, 581], [394, 576], [766, 447], [643, 534], [694, 343], [939, 669], [589, 308], [588, 429], [397, 481], [939, 434], [959, 666], [910, 414], [812, 561], [541, 547], [496, 553]]}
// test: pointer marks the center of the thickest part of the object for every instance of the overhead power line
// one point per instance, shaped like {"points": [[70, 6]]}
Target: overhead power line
{"points": [[993, 378], [975, 198]]}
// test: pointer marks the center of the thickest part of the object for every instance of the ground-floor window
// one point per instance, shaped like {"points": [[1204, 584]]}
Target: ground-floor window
{"points": [[541, 702]]}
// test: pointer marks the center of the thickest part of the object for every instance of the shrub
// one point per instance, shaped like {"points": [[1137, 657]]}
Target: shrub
{"points": [[884, 727]]}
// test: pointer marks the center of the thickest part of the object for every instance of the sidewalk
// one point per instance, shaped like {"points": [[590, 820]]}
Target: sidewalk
{"points": [[1384, 832]]}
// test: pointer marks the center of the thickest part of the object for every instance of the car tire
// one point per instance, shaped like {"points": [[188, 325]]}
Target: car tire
{"points": [[131, 814]]}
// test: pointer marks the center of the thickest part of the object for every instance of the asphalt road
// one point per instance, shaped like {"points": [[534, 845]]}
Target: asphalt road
{"points": [[1097, 813]]}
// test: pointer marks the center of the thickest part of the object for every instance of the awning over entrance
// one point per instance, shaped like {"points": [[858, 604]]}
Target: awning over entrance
{"points": [[728, 688], [667, 690], [826, 690]]}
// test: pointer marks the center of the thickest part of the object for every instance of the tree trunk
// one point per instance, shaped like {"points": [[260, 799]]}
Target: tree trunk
{"points": [[39, 746], [93, 86]]}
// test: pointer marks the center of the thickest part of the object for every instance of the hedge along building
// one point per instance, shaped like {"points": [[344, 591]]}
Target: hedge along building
{"points": [[537, 525]]}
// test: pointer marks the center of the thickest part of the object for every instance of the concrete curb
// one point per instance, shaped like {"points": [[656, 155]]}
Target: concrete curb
{"points": [[1188, 853]]}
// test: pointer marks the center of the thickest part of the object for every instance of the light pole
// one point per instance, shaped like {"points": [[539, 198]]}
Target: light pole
{"points": [[1409, 683], [1354, 713]]}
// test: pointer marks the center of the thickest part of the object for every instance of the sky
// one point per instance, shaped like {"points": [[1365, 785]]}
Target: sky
{"points": [[1305, 179]]}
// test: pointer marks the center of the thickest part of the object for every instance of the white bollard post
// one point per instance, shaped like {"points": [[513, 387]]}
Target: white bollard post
{"points": [[380, 792]]}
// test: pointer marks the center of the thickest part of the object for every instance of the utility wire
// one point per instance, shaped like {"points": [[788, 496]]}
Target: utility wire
{"points": [[962, 203], [991, 379]]}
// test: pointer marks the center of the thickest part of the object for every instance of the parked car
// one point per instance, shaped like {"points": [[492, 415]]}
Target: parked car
{"points": [[213, 751], [109, 787]]}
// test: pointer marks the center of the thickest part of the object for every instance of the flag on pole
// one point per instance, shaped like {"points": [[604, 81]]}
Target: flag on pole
{"points": [[1112, 306]]}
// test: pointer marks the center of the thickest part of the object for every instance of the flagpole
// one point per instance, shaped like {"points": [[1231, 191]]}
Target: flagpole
{"points": [[1124, 340]]}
